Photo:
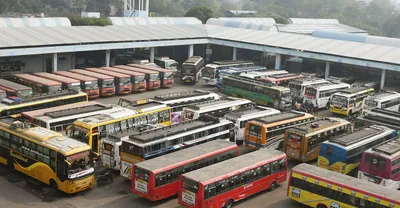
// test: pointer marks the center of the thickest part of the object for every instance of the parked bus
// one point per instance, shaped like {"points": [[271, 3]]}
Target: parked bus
{"points": [[191, 69], [269, 131], [15, 107], [385, 100], [166, 76], [348, 102], [39, 85], [3, 95], [381, 164], [282, 79], [105, 82], [122, 82], [303, 142], [88, 84], [222, 184], [67, 83], [13, 89], [320, 95], [317, 187], [241, 117], [256, 75], [47, 156], [298, 87], [259, 92], [161, 141], [163, 62], [92, 129], [152, 77], [210, 74], [217, 108], [378, 116], [342, 153], [138, 80], [238, 72], [158, 178]]}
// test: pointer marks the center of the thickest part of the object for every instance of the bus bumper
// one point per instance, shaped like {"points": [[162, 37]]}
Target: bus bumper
{"points": [[78, 185], [341, 111]]}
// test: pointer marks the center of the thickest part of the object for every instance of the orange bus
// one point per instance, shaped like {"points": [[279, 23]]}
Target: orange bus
{"points": [[152, 77], [38, 84], [269, 130], [122, 82], [88, 84], [67, 83], [105, 82], [166, 75], [138, 80]]}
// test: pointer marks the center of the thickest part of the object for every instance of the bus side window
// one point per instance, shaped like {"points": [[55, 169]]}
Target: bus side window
{"points": [[275, 167]]}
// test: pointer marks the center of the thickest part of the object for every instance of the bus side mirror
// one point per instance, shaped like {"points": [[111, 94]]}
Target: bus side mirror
{"points": [[68, 131]]}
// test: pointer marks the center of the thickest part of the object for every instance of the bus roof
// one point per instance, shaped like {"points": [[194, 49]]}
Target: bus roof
{"points": [[281, 117], [253, 74], [77, 110], [91, 74], [173, 159], [46, 137], [354, 90], [250, 68], [327, 86], [130, 68], [381, 117], [160, 133], [122, 71], [150, 68], [358, 135], [57, 78], [230, 62], [391, 148], [79, 77], [37, 79], [11, 86], [318, 124], [180, 95], [107, 71], [229, 101], [104, 117], [385, 96], [259, 83], [40, 112], [233, 166], [193, 60], [250, 112], [308, 81], [347, 181]]}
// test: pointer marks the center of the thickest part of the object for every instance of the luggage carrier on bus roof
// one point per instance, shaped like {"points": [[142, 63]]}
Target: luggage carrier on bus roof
{"points": [[155, 134], [77, 110], [389, 148], [245, 79], [383, 117], [316, 125], [40, 97], [180, 95], [359, 135], [280, 117]]}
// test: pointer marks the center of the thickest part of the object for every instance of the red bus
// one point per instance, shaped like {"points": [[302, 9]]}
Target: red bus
{"points": [[282, 79], [158, 178], [122, 82], [105, 82], [166, 76], [88, 84], [152, 77], [138, 80], [38, 84], [222, 184], [67, 83], [13, 89]]}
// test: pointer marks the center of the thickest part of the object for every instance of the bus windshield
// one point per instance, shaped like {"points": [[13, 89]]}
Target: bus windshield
{"points": [[188, 70], [79, 165], [55, 88], [339, 100], [80, 133], [188, 114], [190, 185], [124, 81], [108, 83], [208, 72], [310, 92], [139, 78], [296, 87], [25, 93], [171, 64], [2, 95], [168, 75], [375, 165], [91, 86], [154, 77], [142, 174], [74, 86]]}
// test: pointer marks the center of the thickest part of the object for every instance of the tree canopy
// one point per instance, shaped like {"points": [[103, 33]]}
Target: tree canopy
{"points": [[202, 13]]}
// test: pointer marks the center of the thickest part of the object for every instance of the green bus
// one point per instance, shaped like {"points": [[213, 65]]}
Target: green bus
{"points": [[262, 93]]}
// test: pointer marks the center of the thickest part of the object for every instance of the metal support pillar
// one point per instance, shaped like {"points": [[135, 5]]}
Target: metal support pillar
{"points": [[190, 52], [327, 68], [55, 64], [383, 77], [278, 61], [108, 55], [147, 7], [234, 54], [152, 55]]}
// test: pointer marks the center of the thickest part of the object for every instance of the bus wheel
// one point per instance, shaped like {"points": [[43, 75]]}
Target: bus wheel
{"points": [[229, 203], [272, 186], [321, 206], [53, 184]]}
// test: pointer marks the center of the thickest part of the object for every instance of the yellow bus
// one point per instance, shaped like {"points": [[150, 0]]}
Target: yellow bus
{"points": [[348, 102], [10, 107], [45, 155], [268, 131], [303, 142], [91, 129], [321, 188]]}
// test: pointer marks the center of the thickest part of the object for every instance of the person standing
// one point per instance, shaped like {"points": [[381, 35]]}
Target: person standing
{"points": [[316, 108]]}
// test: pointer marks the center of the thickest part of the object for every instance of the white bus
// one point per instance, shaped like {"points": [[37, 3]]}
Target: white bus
{"points": [[217, 108], [241, 117], [321, 94], [385, 100], [210, 74], [262, 74], [164, 62], [379, 116], [349, 101], [160, 141], [297, 87]]}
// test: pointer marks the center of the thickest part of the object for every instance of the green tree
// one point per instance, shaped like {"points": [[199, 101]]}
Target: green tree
{"points": [[202, 13]]}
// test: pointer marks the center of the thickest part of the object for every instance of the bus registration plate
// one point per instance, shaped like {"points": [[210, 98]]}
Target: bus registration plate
{"points": [[141, 186], [188, 197]]}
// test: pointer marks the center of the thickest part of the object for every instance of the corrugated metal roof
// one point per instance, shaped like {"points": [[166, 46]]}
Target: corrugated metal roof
{"points": [[34, 22], [308, 29], [120, 21]]}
